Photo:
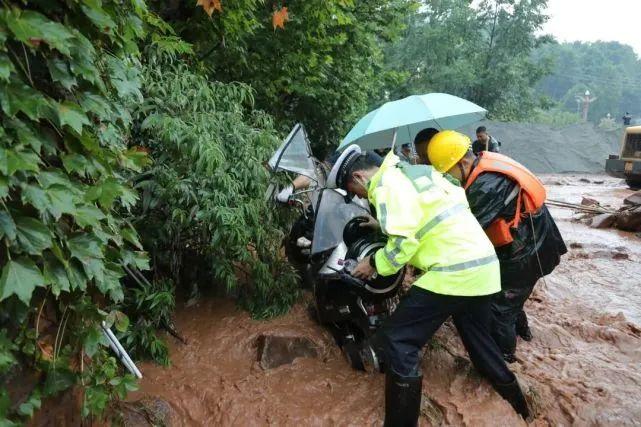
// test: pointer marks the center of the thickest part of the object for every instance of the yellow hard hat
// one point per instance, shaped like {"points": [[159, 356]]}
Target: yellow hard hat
{"points": [[446, 148]]}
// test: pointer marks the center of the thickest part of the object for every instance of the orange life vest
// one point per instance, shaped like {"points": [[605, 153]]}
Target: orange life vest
{"points": [[530, 198]]}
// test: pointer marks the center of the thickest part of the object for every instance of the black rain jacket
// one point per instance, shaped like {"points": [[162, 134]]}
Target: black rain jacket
{"points": [[519, 264]]}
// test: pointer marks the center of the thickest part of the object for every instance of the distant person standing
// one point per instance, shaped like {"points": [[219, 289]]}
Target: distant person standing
{"points": [[627, 118], [405, 153], [485, 141]]}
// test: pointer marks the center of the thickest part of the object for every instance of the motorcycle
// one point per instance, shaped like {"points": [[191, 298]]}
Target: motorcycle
{"points": [[352, 309], [294, 158], [326, 243]]}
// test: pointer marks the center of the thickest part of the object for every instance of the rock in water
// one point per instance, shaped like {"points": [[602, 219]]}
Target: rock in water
{"points": [[633, 199], [629, 220], [587, 201], [602, 221], [275, 351], [148, 411]]}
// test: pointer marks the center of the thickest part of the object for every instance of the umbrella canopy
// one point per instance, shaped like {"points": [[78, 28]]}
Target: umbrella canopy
{"points": [[410, 115]]}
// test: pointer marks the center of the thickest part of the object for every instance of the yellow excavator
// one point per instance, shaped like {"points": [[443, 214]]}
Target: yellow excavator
{"points": [[627, 164]]}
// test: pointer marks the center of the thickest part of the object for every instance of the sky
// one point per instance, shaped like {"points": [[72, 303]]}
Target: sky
{"points": [[592, 20]]}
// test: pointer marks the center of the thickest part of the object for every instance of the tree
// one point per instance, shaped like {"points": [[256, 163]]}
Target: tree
{"points": [[481, 53], [203, 215], [609, 70], [68, 73], [322, 68]]}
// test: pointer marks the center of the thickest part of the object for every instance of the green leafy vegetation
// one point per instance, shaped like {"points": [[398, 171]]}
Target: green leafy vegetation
{"points": [[80, 112], [609, 70], [151, 305], [479, 51], [68, 72], [202, 214], [554, 117], [324, 68], [132, 151]]}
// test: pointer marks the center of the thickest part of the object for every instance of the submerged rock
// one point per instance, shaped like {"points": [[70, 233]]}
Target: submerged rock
{"points": [[587, 201], [148, 411], [629, 220], [633, 199], [275, 351], [602, 221]]}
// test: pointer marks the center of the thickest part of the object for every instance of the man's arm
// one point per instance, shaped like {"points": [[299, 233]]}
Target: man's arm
{"points": [[299, 183], [398, 251], [398, 213]]}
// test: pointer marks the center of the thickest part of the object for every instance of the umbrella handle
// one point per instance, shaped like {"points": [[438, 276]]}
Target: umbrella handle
{"points": [[394, 139]]}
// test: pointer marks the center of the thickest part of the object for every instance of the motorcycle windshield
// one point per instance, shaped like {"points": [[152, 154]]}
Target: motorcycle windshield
{"points": [[332, 216], [295, 155]]}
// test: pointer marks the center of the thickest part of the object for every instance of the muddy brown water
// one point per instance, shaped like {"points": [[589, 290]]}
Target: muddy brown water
{"points": [[583, 366]]}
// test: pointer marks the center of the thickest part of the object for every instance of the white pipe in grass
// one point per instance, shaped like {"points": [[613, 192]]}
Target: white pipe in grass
{"points": [[120, 351]]}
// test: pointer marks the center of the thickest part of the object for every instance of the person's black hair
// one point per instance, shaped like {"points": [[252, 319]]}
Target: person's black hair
{"points": [[405, 146], [425, 135], [364, 161], [374, 157], [481, 129]]}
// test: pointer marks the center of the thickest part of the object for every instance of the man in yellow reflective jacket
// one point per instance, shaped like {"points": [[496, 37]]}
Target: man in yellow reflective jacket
{"points": [[429, 225]]}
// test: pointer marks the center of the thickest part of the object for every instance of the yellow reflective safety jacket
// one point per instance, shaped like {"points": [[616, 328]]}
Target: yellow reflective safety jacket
{"points": [[429, 225]]}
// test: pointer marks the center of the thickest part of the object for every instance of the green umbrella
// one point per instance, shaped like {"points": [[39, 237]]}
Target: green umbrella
{"points": [[398, 122]]}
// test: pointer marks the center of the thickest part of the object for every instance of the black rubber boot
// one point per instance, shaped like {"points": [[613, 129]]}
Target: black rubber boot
{"points": [[513, 394], [522, 327], [402, 400]]}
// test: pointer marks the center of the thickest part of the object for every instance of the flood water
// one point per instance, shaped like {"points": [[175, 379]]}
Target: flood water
{"points": [[583, 366]]}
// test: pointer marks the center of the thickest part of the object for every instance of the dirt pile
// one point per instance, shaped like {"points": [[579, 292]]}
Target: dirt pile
{"points": [[545, 149], [582, 368]]}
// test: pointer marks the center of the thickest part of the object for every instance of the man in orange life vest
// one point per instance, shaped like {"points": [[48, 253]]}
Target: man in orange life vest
{"points": [[508, 201]]}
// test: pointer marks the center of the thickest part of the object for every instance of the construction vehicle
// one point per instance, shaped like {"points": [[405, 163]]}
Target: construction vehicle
{"points": [[627, 164]]}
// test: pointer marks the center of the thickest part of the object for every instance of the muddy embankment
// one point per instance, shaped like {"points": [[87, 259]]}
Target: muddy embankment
{"points": [[583, 366], [544, 149]]}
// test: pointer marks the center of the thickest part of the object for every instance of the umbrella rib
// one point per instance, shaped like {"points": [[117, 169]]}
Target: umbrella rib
{"points": [[409, 137]]}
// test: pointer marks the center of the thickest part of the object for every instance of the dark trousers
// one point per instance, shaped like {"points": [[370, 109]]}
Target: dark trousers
{"points": [[507, 307], [421, 313]]}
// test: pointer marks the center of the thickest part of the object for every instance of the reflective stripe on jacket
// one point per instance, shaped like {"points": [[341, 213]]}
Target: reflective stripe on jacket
{"points": [[429, 225]]}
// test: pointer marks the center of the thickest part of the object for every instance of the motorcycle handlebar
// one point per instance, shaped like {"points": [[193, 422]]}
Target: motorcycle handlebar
{"points": [[346, 276]]}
